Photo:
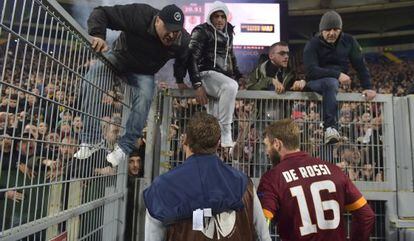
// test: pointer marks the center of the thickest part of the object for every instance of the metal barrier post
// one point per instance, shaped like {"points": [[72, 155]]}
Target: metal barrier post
{"points": [[404, 118], [75, 199]]}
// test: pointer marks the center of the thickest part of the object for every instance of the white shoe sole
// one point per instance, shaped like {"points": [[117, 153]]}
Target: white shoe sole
{"points": [[90, 152], [228, 145]]}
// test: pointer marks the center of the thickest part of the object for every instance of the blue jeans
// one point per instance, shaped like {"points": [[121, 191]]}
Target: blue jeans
{"points": [[328, 88], [142, 92], [142, 88]]}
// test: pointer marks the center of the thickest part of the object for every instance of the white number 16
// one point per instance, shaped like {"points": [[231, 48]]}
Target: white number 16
{"points": [[319, 205]]}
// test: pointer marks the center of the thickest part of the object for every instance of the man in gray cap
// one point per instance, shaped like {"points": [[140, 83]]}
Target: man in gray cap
{"points": [[326, 58]]}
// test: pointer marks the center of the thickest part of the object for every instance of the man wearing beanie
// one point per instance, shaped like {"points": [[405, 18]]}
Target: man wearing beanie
{"points": [[149, 38], [326, 58], [214, 67]]}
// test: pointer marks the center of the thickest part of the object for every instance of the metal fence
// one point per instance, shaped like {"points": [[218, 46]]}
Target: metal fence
{"points": [[365, 152], [55, 93]]}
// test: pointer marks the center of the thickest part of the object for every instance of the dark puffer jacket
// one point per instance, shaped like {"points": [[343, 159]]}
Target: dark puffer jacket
{"points": [[322, 59], [212, 49], [139, 43]]}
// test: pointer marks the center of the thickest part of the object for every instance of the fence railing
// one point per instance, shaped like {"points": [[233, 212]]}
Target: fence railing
{"points": [[366, 152], [56, 93]]}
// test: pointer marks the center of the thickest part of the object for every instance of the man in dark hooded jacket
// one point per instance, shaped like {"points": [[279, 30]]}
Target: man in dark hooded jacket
{"points": [[214, 68]]}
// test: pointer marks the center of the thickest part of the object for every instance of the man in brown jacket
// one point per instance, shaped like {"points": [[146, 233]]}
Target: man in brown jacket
{"points": [[203, 199]]}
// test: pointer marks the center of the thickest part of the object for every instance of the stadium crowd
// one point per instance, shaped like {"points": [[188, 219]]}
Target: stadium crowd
{"points": [[41, 122]]}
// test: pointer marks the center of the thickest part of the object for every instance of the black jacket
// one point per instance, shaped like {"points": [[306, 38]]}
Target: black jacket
{"points": [[322, 59], [212, 50], [138, 41]]}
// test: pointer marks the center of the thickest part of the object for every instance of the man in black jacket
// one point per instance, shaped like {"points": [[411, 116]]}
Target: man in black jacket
{"points": [[214, 67], [149, 38], [326, 58]]}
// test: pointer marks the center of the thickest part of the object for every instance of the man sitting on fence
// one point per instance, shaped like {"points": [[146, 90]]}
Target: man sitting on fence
{"points": [[274, 73], [326, 58], [214, 67], [203, 199]]}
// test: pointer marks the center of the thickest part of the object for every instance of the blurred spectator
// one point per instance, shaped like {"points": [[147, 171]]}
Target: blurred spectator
{"points": [[51, 147], [42, 130], [6, 148], [135, 170], [274, 74], [77, 125], [65, 128], [32, 129], [112, 131], [10, 104]]}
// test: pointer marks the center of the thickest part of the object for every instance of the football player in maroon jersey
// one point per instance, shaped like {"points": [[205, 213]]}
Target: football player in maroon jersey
{"points": [[306, 196]]}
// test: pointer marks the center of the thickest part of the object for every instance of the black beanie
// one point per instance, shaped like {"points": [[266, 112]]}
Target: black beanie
{"points": [[330, 20]]}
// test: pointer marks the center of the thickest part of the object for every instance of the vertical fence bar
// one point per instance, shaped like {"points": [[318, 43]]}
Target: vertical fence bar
{"points": [[46, 58]]}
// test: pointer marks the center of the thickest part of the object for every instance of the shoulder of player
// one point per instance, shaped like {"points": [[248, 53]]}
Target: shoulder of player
{"points": [[334, 168]]}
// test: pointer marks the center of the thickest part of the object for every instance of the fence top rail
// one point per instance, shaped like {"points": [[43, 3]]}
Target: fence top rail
{"points": [[250, 94], [68, 18], [70, 21]]}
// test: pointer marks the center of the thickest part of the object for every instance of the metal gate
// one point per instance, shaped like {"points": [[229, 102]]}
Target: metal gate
{"points": [[55, 91], [366, 151]]}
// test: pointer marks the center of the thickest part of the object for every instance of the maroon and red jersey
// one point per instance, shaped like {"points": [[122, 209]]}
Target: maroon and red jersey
{"points": [[307, 197]]}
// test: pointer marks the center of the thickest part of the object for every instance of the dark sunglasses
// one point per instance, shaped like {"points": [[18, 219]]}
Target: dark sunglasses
{"points": [[283, 53]]}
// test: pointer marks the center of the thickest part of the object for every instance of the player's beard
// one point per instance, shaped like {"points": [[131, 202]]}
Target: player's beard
{"points": [[274, 156]]}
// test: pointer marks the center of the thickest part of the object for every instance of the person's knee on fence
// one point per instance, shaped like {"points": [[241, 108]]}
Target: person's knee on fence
{"points": [[330, 84], [231, 88]]}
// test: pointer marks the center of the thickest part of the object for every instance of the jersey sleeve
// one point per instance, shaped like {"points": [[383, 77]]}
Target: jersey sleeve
{"points": [[267, 195], [353, 197]]}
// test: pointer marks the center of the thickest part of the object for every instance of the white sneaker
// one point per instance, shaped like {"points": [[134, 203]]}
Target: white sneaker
{"points": [[226, 138], [227, 141], [228, 144], [86, 150], [116, 156], [331, 136]]}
